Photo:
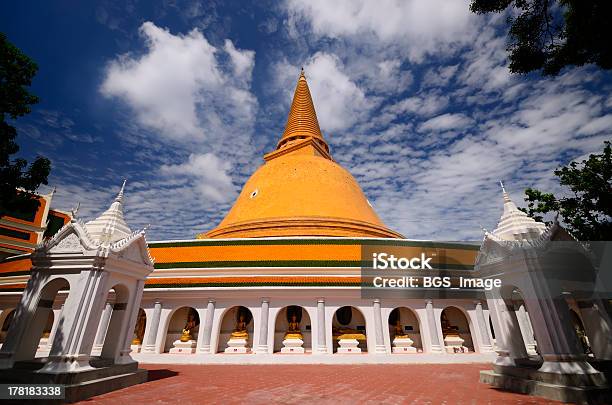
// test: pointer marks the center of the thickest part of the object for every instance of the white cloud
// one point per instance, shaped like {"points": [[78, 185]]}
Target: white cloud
{"points": [[208, 173], [242, 60], [57, 128], [485, 65], [179, 89], [440, 76], [339, 101], [446, 122], [421, 26], [600, 124], [424, 105], [385, 76]]}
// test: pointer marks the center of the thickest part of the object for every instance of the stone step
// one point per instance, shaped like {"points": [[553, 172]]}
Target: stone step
{"points": [[564, 393], [88, 389], [32, 376]]}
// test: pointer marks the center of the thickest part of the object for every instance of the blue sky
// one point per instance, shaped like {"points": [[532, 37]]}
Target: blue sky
{"points": [[182, 98]]}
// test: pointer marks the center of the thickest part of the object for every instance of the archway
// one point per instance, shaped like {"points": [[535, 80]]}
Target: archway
{"points": [[583, 339], [404, 322], [231, 322], [348, 324], [182, 318], [6, 320], [119, 315], [139, 330], [456, 331], [281, 326], [28, 346]]}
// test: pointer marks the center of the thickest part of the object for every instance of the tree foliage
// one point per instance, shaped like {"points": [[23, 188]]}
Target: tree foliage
{"points": [[548, 35], [17, 180], [587, 213]]}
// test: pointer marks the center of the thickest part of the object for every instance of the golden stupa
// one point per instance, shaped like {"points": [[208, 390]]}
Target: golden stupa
{"points": [[300, 190]]}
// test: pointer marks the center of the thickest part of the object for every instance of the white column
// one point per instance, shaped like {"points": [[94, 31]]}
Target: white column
{"points": [[262, 347], [208, 326], [380, 343], [153, 327], [433, 328], [485, 341], [527, 332], [56, 318], [508, 336], [103, 327], [321, 345]]}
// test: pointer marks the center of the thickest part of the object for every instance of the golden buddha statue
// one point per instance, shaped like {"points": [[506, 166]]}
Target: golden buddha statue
{"points": [[139, 329], [293, 331], [399, 330], [348, 333], [447, 328], [240, 331], [191, 323]]}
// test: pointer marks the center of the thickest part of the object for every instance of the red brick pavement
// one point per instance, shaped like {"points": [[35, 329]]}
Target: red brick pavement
{"points": [[314, 384]]}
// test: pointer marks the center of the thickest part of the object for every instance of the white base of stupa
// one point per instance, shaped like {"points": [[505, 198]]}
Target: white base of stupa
{"points": [[135, 348], [237, 346], [293, 346], [348, 346], [403, 345], [188, 347]]}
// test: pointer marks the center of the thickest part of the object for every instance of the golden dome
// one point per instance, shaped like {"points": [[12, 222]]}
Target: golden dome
{"points": [[300, 190]]}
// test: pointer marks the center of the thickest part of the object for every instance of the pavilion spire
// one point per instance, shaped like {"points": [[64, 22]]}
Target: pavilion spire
{"points": [[505, 193], [119, 197], [302, 120], [515, 224], [110, 226]]}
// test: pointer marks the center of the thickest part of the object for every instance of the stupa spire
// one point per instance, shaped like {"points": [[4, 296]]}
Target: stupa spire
{"points": [[302, 120]]}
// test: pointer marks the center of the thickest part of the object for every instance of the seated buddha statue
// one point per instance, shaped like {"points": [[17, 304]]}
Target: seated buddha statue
{"points": [[293, 331], [139, 330], [399, 330], [240, 331], [191, 323], [347, 333], [447, 328]]}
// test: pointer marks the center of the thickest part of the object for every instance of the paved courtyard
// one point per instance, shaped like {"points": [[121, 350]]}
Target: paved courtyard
{"points": [[314, 384]]}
